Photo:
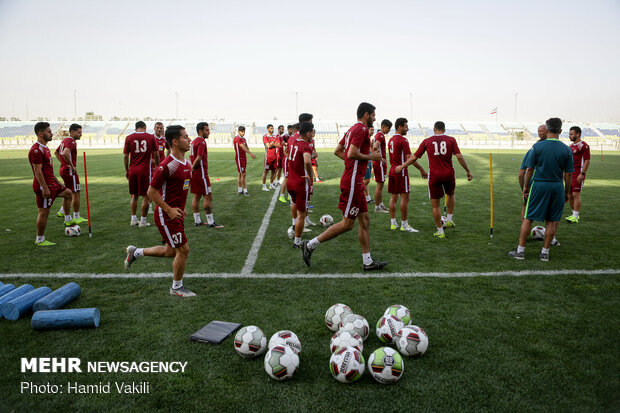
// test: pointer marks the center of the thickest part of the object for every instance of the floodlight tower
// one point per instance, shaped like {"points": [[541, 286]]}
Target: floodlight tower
{"points": [[296, 93]]}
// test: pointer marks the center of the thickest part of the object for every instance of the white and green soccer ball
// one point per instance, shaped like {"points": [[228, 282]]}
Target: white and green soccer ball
{"points": [[388, 327], [281, 363], [346, 339], [386, 365], [286, 338], [335, 314], [357, 324], [347, 364], [399, 311], [250, 342], [412, 341]]}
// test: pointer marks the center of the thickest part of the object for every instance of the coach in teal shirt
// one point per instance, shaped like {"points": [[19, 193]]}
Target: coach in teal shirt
{"points": [[550, 162]]}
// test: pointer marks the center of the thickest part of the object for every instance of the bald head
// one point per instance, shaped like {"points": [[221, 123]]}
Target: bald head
{"points": [[542, 132]]}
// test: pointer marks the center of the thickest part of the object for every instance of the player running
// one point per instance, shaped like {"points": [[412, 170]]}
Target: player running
{"points": [[380, 166], [140, 152], [352, 201], [300, 178], [398, 183], [241, 148], [271, 157], [66, 153], [168, 190], [201, 184], [553, 161], [440, 149], [581, 163]]}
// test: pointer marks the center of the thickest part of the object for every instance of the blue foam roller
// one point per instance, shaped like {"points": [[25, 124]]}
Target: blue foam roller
{"points": [[21, 305], [19, 291], [6, 288], [73, 318], [59, 298]]}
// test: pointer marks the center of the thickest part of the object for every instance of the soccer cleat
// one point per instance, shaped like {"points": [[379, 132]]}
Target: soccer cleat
{"points": [[79, 220], [306, 252], [318, 181], [60, 214], [216, 225], [239, 193], [296, 245], [282, 199], [134, 223], [372, 201], [393, 227], [265, 189], [130, 257], [382, 209], [544, 256], [450, 224], [517, 255], [306, 229], [200, 224], [438, 235], [44, 243], [374, 266], [408, 228], [144, 224], [555, 242], [70, 223], [182, 292], [246, 194], [571, 219], [308, 222]]}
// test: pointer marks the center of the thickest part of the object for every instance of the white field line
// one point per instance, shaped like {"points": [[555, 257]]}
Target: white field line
{"points": [[260, 236], [291, 276]]}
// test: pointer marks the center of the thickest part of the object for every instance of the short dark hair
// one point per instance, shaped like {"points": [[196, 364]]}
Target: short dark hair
{"points": [[364, 107], [554, 125], [201, 126], [289, 126], [305, 117], [269, 126], [295, 127], [74, 127], [40, 127], [173, 132], [241, 128], [280, 126], [305, 127], [400, 122], [439, 125], [140, 125], [576, 129], [386, 122], [159, 123]]}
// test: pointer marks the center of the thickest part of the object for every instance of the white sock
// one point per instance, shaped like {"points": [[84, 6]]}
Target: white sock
{"points": [[134, 218], [76, 215], [40, 238], [393, 221], [404, 223], [313, 243], [245, 190], [264, 186], [210, 219], [368, 198], [142, 220], [554, 240], [366, 258], [297, 241], [545, 250], [381, 204], [520, 249], [440, 230], [197, 217], [307, 219], [575, 213], [450, 217], [177, 284], [294, 221], [62, 210], [239, 189], [139, 252], [67, 218]]}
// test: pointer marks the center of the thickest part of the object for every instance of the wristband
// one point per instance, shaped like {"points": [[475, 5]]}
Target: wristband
{"points": [[583, 173]]}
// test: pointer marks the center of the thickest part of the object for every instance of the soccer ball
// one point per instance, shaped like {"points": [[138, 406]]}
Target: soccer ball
{"points": [[73, 231], [386, 365], [326, 220], [388, 327], [290, 232], [412, 341], [346, 339], [286, 338], [399, 311], [250, 342], [538, 232], [335, 314], [443, 221], [357, 324], [347, 364], [281, 362]]}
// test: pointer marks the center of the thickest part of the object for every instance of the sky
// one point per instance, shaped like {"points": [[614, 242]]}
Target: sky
{"points": [[449, 60]]}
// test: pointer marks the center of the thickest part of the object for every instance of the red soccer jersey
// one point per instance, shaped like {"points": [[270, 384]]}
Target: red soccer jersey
{"points": [[380, 137], [140, 146], [270, 153], [240, 154], [354, 169], [172, 178], [280, 150], [162, 145], [581, 153], [440, 149], [40, 154], [296, 166], [72, 145], [199, 147], [399, 152]]}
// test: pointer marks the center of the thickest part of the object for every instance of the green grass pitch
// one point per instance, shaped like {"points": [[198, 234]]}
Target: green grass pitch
{"points": [[536, 342]]}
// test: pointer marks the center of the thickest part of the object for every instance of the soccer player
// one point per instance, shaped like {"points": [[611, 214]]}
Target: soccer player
{"points": [[241, 148], [67, 155], [271, 157], [140, 150], [168, 190], [440, 149], [368, 173], [293, 133], [45, 185], [379, 167], [300, 178], [398, 183], [163, 149], [279, 154], [581, 158], [201, 184], [352, 201], [553, 161]]}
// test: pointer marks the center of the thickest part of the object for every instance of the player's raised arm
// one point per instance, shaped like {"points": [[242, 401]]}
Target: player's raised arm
{"points": [[461, 160]]}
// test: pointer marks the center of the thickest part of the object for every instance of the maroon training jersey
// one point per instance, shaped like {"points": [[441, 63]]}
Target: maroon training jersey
{"points": [[72, 146], [270, 153], [199, 148], [140, 146], [40, 154], [240, 154], [280, 150], [296, 166], [172, 178], [581, 153], [399, 152], [354, 170], [162, 145], [440, 149], [380, 137]]}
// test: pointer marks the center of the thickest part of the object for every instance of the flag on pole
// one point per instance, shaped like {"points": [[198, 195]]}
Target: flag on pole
{"points": [[494, 111]]}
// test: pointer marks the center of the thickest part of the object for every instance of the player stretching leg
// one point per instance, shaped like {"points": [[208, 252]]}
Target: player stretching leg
{"points": [[201, 184], [581, 163], [271, 157], [440, 149], [241, 149], [356, 144], [379, 167], [285, 142], [67, 155], [300, 178], [173, 174], [398, 183], [45, 185]]}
